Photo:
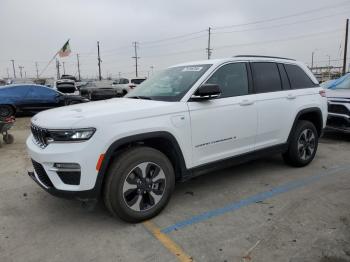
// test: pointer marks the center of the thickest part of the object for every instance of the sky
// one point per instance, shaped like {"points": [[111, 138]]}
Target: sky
{"points": [[167, 32]]}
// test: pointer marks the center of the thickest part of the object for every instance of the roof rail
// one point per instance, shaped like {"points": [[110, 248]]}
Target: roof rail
{"points": [[264, 56]]}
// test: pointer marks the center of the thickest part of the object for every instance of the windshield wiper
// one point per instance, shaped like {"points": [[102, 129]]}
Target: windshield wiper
{"points": [[141, 97]]}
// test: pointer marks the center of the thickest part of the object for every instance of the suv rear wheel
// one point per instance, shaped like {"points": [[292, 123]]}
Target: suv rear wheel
{"points": [[303, 144], [139, 184]]}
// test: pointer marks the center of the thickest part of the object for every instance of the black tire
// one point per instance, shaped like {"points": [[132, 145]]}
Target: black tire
{"points": [[122, 202], [9, 139], [6, 111], [302, 145], [124, 93], [73, 103]]}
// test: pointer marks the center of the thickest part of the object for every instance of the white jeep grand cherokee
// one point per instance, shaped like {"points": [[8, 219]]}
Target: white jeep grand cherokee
{"points": [[185, 120]]}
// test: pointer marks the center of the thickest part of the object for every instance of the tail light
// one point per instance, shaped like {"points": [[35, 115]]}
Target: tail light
{"points": [[132, 86], [323, 93]]}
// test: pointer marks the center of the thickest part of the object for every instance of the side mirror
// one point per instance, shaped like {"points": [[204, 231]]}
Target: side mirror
{"points": [[206, 92]]}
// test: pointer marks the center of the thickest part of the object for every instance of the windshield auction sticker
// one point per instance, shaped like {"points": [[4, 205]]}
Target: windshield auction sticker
{"points": [[192, 69]]}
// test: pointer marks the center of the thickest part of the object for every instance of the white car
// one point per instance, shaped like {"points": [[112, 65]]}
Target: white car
{"points": [[184, 121], [124, 85], [66, 86]]}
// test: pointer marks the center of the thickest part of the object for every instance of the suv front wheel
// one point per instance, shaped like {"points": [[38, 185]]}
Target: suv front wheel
{"points": [[302, 145], [139, 184]]}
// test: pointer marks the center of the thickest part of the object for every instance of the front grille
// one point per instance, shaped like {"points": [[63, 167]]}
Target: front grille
{"points": [[41, 173], [40, 135], [338, 109]]}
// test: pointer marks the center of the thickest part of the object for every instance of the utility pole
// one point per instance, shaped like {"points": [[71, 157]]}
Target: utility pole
{"points": [[78, 67], [208, 48], [346, 45], [25, 74], [152, 68], [58, 69], [312, 59], [20, 70], [329, 67], [136, 57], [119, 74], [37, 70], [14, 70], [64, 68], [99, 61]]}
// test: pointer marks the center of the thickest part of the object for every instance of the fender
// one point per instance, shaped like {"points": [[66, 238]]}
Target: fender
{"points": [[305, 111], [139, 138]]}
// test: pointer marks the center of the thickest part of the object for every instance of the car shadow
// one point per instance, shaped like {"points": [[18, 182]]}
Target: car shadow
{"points": [[335, 136]]}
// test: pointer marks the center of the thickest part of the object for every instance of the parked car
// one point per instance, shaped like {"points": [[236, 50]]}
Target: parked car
{"points": [[124, 85], [66, 86], [338, 94], [94, 92], [70, 77], [180, 123], [32, 98]]}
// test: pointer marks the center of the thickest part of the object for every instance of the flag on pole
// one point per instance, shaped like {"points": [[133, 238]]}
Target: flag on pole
{"points": [[65, 50]]}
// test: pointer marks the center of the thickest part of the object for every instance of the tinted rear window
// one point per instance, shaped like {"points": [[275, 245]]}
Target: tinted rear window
{"points": [[266, 77], [137, 81], [298, 78]]}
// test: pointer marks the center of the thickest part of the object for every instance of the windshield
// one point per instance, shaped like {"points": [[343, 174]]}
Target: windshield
{"points": [[171, 84], [137, 81]]}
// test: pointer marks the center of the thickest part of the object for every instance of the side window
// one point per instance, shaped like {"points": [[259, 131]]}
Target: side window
{"points": [[232, 80], [16, 91], [298, 78], [284, 77], [38, 91], [266, 77]]}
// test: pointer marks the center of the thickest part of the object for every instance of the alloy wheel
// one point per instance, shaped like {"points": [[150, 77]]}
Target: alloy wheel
{"points": [[144, 186], [306, 144]]}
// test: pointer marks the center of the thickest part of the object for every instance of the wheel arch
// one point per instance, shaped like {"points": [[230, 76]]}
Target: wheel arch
{"points": [[314, 115], [12, 106], [160, 140]]}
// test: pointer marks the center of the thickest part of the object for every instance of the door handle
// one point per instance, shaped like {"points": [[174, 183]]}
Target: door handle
{"points": [[246, 102], [291, 96]]}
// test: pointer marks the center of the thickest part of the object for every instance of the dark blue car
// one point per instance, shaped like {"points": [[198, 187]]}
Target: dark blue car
{"points": [[32, 98]]}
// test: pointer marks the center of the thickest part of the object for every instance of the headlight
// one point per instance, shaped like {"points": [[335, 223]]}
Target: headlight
{"points": [[82, 134]]}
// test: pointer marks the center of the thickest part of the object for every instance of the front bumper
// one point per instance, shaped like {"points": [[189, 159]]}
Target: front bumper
{"points": [[338, 122], [86, 195], [48, 177]]}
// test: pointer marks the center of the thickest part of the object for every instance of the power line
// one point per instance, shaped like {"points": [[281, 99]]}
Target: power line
{"points": [[171, 38], [284, 17], [281, 25], [250, 43]]}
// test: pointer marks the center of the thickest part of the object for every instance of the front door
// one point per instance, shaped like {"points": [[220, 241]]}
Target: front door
{"points": [[225, 126]]}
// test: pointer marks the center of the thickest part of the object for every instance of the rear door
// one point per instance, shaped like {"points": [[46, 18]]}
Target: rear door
{"points": [[275, 103]]}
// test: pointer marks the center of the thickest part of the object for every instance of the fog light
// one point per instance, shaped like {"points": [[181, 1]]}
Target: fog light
{"points": [[67, 166]]}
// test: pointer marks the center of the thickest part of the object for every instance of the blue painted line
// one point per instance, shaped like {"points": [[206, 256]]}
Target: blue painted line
{"points": [[251, 200]]}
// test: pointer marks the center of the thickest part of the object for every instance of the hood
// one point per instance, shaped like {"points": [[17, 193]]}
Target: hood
{"points": [[104, 112], [338, 93]]}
